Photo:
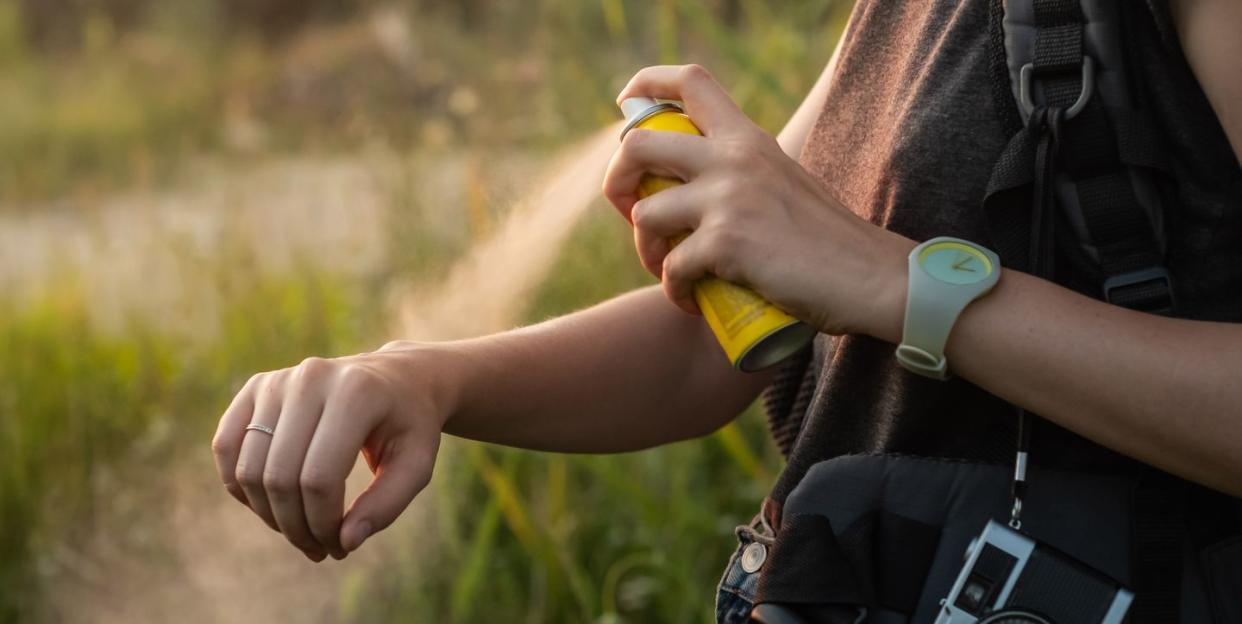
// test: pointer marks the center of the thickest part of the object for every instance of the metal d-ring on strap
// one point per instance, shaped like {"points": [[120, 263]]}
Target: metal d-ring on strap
{"points": [[1026, 98]]}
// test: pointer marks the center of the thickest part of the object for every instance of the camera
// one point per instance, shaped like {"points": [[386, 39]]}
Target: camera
{"points": [[1010, 578]]}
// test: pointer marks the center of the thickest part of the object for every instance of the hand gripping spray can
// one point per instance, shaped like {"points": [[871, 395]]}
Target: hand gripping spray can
{"points": [[754, 333]]}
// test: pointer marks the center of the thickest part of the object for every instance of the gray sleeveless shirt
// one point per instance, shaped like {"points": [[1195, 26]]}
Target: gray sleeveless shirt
{"points": [[911, 129]]}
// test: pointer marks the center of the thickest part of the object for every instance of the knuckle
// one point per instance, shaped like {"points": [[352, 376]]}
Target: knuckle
{"points": [[740, 154], [316, 483], [357, 379], [612, 190], [693, 72], [672, 268], [255, 381], [642, 73], [272, 383], [313, 368], [247, 476], [730, 194], [221, 447], [635, 141], [277, 482], [638, 214], [394, 345]]}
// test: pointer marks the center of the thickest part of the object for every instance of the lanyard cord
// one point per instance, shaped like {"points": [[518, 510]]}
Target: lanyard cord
{"points": [[1046, 123], [1017, 491]]}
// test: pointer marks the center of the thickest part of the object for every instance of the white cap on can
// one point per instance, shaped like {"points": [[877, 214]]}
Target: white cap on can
{"points": [[636, 109]]}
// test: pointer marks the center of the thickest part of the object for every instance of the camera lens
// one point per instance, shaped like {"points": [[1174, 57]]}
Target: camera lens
{"points": [[972, 595]]}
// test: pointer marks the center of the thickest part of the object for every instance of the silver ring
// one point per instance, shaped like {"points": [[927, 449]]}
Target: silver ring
{"points": [[264, 428]]}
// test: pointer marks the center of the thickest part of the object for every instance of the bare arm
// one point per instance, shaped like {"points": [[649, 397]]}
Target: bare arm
{"points": [[630, 373], [1165, 391]]}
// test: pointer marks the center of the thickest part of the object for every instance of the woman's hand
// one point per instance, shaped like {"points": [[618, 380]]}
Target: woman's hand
{"points": [[323, 413], [756, 217]]}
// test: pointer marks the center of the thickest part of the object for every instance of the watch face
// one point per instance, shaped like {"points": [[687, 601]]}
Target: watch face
{"points": [[955, 263]]}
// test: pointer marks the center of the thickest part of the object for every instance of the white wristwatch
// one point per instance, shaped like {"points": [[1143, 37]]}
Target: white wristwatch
{"points": [[946, 274]]}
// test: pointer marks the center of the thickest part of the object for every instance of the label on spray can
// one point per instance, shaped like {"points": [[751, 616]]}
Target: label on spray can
{"points": [[754, 333]]}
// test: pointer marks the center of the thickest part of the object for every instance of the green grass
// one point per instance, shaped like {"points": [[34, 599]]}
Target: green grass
{"points": [[129, 105], [520, 536], [76, 400]]}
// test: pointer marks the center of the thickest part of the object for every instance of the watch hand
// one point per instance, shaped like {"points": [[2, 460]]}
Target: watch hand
{"points": [[960, 264]]}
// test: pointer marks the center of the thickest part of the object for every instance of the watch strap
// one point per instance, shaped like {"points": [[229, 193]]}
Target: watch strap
{"points": [[932, 308], [929, 319]]}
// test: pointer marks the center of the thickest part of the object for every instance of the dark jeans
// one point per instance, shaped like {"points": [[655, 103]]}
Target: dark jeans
{"points": [[735, 596]]}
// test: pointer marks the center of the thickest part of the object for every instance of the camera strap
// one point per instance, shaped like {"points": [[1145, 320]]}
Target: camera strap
{"points": [[1017, 485]]}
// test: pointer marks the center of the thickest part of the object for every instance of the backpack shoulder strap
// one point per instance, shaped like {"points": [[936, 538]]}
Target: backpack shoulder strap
{"points": [[1086, 159], [1085, 162]]}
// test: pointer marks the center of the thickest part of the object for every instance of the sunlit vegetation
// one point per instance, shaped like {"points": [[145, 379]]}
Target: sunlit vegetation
{"points": [[99, 99]]}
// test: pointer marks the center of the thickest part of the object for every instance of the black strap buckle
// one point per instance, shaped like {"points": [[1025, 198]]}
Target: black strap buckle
{"points": [[1145, 290], [1027, 99]]}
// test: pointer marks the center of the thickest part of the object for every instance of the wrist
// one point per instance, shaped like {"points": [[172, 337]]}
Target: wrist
{"points": [[890, 288], [429, 376]]}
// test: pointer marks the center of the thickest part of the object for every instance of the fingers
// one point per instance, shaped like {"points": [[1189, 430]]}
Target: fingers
{"points": [[282, 473], [350, 416], [667, 154], [701, 255], [226, 445], [711, 108], [255, 444], [402, 472], [660, 221]]}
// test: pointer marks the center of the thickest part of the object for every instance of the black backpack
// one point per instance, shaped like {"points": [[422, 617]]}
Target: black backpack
{"points": [[1081, 195]]}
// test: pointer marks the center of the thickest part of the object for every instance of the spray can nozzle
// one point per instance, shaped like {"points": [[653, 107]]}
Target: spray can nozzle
{"points": [[637, 109]]}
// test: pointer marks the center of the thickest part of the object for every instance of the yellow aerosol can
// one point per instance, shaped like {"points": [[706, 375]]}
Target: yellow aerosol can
{"points": [[754, 333]]}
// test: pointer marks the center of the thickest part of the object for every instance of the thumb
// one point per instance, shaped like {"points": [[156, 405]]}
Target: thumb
{"points": [[401, 474]]}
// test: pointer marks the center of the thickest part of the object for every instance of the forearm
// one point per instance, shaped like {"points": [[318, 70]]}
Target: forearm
{"points": [[1165, 391], [631, 373]]}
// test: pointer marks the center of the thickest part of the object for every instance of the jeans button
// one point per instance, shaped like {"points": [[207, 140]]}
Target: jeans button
{"points": [[753, 557]]}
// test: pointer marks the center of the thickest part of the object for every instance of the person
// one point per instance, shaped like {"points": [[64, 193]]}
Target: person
{"points": [[893, 146]]}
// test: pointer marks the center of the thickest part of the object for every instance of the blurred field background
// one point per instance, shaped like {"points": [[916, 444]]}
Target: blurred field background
{"points": [[192, 191]]}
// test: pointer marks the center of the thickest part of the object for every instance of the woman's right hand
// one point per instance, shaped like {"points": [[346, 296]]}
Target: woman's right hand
{"points": [[324, 411]]}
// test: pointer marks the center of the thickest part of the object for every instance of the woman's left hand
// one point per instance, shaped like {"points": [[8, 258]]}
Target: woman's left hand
{"points": [[755, 216]]}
